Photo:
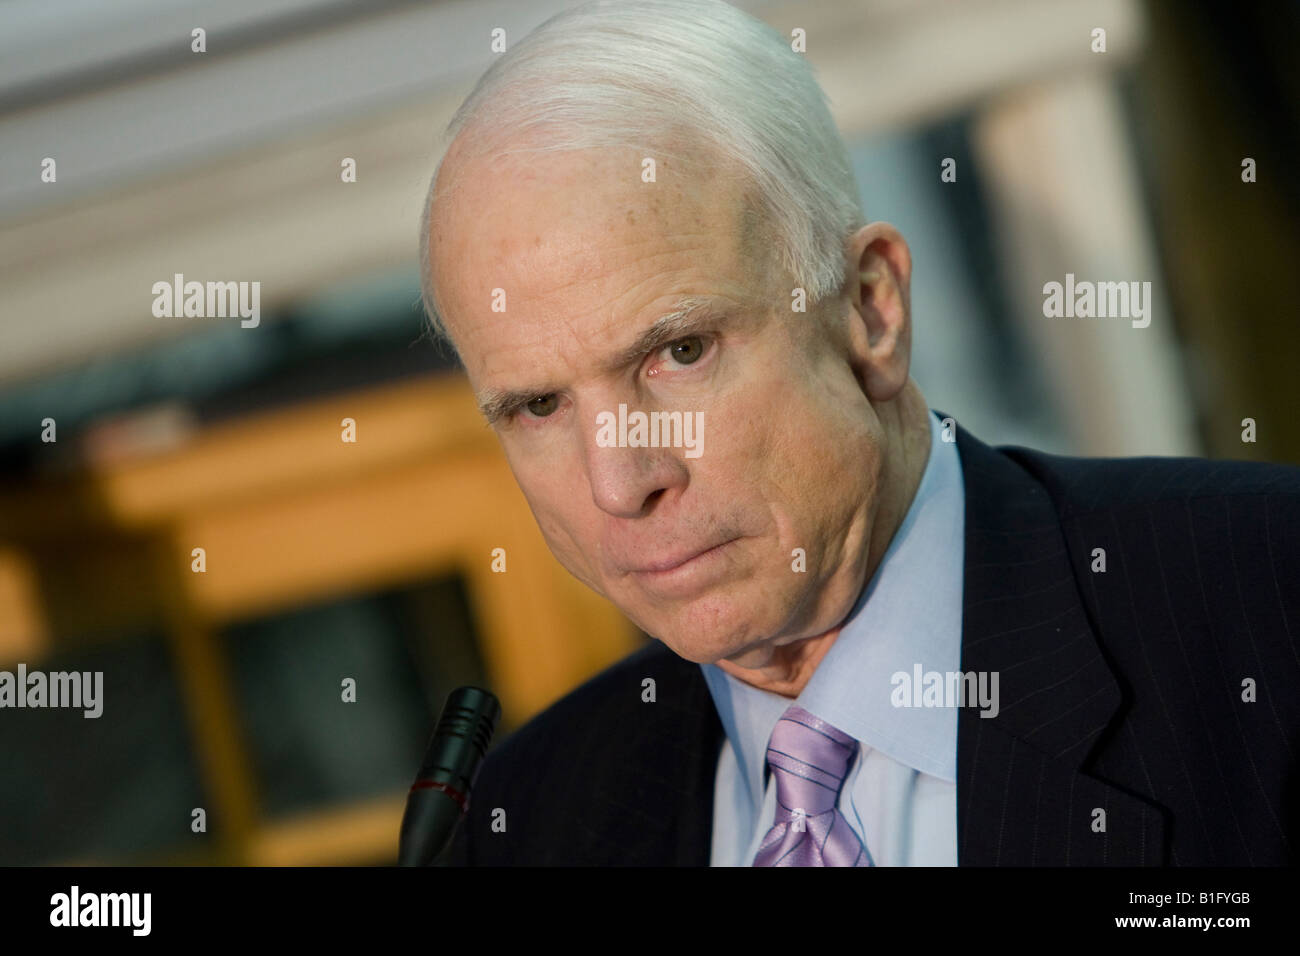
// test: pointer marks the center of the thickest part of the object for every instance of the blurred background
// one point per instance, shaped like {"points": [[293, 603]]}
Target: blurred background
{"points": [[128, 441]]}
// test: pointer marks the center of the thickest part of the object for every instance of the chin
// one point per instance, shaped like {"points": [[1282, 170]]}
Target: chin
{"points": [[718, 623], [701, 644], [692, 649]]}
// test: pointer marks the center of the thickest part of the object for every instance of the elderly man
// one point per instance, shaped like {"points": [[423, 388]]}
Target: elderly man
{"points": [[878, 641]]}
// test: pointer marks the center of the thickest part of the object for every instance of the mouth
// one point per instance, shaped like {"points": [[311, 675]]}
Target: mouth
{"points": [[684, 569], [668, 564]]}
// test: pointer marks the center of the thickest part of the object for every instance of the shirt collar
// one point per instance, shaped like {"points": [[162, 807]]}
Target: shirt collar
{"points": [[908, 614]]}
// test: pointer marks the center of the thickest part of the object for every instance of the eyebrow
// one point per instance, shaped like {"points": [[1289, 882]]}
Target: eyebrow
{"points": [[688, 315]]}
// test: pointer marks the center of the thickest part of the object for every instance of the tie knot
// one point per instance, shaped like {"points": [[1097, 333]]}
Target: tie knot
{"points": [[810, 759]]}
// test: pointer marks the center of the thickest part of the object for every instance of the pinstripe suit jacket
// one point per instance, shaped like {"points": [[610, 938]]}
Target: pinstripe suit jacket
{"points": [[1124, 692]]}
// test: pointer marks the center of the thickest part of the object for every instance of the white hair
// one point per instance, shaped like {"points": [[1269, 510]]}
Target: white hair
{"points": [[639, 73]]}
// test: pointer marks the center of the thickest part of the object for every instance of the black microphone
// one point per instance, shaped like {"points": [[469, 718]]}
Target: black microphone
{"points": [[440, 795]]}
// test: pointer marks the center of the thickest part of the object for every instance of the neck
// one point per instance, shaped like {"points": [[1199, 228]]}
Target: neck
{"points": [[907, 427]]}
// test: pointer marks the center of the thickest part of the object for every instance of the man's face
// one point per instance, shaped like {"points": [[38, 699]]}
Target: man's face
{"points": [[703, 553]]}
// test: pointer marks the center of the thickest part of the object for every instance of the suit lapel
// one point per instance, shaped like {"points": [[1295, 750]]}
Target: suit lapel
{"points": [[656, 807], [1023, 796]]}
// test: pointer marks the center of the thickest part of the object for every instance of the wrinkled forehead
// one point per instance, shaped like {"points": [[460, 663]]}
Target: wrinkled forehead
{"points": [[505, 185], [545, 224]]}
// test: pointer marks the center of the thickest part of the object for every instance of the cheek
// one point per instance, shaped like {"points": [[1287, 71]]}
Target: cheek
{"points": [[567, 531], [822, 464], [803, 451], [568, 527], [574, 543]]}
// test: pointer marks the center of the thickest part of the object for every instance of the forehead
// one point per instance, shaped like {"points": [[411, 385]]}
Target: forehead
{"points": [[582, 236]]}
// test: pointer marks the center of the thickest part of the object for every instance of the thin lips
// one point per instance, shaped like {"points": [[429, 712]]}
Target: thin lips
{"points": [[668, 564]]}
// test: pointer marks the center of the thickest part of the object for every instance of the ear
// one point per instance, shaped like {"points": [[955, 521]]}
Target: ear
{"points": [[879, 279]]}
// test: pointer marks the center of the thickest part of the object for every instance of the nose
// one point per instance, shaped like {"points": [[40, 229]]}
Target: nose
{"points": [[627, 481]]}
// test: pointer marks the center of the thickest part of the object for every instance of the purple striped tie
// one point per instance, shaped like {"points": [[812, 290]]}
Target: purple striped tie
{"points": [[810, 759]]}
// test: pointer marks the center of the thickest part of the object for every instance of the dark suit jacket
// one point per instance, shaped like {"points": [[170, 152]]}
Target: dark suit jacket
{"points": [[1120, 690]]}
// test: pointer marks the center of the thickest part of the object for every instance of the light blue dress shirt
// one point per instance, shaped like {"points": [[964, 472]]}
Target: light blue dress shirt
{"points": [[900, 794]]}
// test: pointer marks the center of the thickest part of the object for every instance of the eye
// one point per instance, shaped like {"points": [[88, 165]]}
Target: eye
{"points": [[687, 351], [541, 406]]}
